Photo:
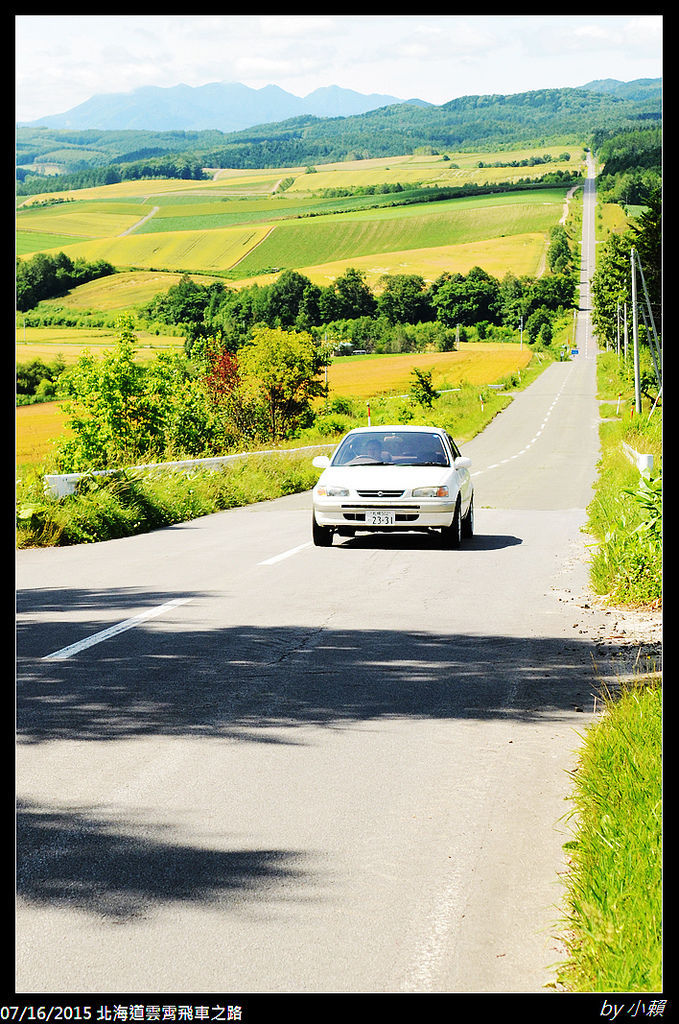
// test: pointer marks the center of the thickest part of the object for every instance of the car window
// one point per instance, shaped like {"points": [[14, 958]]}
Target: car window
{"points": [[392, 447], [455, 450]]}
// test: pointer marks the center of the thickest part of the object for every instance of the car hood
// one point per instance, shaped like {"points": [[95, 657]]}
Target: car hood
{"points": [[387, 478]]}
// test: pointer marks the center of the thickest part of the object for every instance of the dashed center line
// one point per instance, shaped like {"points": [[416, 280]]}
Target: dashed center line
{"points": [[120, 627], [285, 554], [509, 458]]}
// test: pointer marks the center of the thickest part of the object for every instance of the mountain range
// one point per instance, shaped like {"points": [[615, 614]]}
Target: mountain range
{"points": [[224, 106]]}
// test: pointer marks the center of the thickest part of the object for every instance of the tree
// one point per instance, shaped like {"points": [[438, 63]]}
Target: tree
{"points": [[353, 295], [559, 253], [421, 389], [648, 244], [611, 284], [539, 326], [286, 297], [513, 300], [282, 368], [404, 299], [466, 300], [102, 401], [122, 413]]}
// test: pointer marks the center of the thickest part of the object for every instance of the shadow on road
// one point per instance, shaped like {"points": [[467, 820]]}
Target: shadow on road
{"points": [[258, 683], [80, 861]]}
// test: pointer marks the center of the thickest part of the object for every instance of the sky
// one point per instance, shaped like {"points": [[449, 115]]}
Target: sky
{"points": [[63, 60]]}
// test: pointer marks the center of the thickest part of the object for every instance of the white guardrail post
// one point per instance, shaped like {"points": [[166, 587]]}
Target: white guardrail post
{"points": [[644, 463], [59, 485]]}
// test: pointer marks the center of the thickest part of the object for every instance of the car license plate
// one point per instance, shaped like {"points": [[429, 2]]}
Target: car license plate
{"points": [[378, 518]]}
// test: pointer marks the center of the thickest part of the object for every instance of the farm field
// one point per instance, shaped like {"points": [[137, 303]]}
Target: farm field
{"points": [[307, 242], [442, 170], [36, 428], [237, 224], [475, 363], [216, 250], [120, 292], [523, 253], [47, 343]]}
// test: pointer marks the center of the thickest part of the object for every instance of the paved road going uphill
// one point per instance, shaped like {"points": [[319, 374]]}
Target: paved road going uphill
{"points": [[246, 764]]}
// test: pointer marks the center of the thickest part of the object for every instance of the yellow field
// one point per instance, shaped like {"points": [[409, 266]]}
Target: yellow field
{"points": [[148, 188], [122, 291], [522, 254], [36, 427], [476, 363], [430, 170], [90, 222], [218, 249], [47, 343], [434, 170]]}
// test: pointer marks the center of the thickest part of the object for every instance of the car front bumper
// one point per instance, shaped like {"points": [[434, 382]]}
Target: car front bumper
{"points": [[417, 513]]}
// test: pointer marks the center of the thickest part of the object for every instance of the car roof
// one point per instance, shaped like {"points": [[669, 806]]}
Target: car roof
{"points": [[422, 428]]}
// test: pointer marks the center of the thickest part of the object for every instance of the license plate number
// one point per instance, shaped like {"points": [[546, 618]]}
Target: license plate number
{"points": [[377, 518]]}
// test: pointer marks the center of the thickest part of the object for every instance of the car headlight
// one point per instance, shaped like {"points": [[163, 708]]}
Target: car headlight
{"points": [[431, 492], [332, 492]]}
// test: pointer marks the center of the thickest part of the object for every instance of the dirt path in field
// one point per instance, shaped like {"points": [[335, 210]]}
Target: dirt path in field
{"points": [[569, 196], [140, 222]]}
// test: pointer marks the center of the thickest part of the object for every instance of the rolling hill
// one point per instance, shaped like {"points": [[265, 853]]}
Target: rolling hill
{"points": [[468, 122]]}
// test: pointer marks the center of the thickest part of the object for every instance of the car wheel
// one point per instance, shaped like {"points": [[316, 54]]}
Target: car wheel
{"points": [[322, 535], [468, 520], [451, 536]]}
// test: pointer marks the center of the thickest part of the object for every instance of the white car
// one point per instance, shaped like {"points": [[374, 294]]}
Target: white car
{"points": [[394, 478]]}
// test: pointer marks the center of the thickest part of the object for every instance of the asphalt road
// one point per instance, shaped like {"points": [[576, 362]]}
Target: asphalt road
{"points": [[294, 769]]}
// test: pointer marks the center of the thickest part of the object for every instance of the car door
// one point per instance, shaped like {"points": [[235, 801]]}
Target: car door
{"points": [[464, 477]]}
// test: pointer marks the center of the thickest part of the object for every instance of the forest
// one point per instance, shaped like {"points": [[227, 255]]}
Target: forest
{"points": [[469, 122]]}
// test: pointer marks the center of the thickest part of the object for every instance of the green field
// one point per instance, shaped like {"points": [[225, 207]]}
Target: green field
{"points": [[300, 243]]}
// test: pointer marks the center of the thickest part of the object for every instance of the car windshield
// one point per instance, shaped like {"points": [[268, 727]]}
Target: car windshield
{"points": [[389, 447]]}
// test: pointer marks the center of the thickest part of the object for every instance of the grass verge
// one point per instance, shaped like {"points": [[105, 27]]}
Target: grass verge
{"points": [[625, 517], [129, 502], [613, 915]]}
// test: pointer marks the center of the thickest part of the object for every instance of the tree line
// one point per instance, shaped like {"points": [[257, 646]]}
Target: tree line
{"points": [[44, 276], [350, 311], [632, 165], [182, 166]]}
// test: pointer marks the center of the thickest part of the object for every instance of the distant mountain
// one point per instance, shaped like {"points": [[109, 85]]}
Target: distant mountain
{"points": [[613, 86], [81, 157], [224, 106]]}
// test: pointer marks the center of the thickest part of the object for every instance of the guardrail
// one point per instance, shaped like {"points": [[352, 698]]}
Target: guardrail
{"points": [[59, 485], [644, 462]]}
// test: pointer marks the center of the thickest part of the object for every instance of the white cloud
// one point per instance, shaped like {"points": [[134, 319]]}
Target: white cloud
{"points": [[62, 60]]}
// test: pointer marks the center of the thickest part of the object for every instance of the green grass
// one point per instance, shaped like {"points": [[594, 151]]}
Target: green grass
{"points": [[29, 242], [626, 563], [310, 241], [614, 886], [130, 503]]}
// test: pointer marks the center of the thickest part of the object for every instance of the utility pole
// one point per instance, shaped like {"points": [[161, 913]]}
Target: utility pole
{"points": [[635, 336], [625, 331], [617, 315]]}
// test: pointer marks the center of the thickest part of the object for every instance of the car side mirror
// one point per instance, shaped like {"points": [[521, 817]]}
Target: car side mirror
{"points": [[462, 462], [320, 461]]}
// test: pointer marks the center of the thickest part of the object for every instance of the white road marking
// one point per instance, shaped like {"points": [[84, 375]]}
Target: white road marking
{"points": [[285, 554], [120, 627], [530, 444]]}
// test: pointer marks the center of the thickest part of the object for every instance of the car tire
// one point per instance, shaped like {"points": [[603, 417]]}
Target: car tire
{"points": [[451, 536], [468, 521], [322, 535]]}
